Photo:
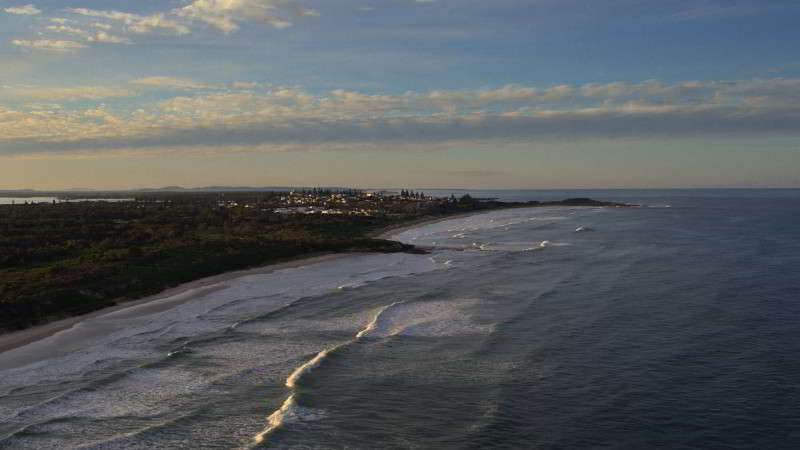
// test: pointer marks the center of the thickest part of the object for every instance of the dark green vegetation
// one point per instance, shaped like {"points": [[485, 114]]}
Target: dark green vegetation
{"points": [[64, 259]]}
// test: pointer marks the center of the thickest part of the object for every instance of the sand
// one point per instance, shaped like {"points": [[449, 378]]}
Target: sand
{"points": [[31, 345]]}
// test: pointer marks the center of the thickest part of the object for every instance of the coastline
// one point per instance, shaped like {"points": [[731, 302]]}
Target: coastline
{"points": [[171, 298], [388, 232], [162, 301]]}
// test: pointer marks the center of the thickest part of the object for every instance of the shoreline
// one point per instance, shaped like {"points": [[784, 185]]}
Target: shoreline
{"points": [[175, 296], [393, 230], [164, 300]]}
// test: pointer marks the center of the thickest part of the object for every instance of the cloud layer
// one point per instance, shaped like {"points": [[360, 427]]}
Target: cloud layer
{"points": [[222, 15], [224, 117]]}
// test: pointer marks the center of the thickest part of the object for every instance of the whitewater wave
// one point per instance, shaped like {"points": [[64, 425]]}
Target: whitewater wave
{"points": [[289, 412], [432, 318], [291, 382], [428, 319]]}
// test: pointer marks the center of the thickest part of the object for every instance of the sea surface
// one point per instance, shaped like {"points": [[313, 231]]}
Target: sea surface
{"points": [[673, 325]]}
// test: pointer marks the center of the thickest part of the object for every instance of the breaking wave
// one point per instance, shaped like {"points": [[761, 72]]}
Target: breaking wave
{"points": [[432, 318]]}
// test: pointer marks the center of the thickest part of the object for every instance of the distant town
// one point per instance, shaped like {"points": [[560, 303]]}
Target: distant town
{"points": [[326, 201]]}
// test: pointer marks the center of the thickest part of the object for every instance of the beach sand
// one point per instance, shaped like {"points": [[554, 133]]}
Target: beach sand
{"points": [[394, 230], [31, 345]]}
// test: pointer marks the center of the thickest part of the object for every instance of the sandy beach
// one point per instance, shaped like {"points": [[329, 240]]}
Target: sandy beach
{"points": [[388, 232], [12, 353], [86, 327]]}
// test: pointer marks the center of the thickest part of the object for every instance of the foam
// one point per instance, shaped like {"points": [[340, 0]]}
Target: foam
{"points": [[462, 233], [427, 319], [289, 412], [372, 325], [298, 373], [430, 319]]}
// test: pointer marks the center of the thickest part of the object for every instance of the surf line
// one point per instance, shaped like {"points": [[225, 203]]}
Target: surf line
{"points": [[289, 410]]}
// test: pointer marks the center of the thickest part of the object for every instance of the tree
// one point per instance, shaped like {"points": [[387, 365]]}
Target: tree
{"points": [[466, 199]]}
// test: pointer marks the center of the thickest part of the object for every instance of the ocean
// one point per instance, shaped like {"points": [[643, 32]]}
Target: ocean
{"points": [[675, 324]]}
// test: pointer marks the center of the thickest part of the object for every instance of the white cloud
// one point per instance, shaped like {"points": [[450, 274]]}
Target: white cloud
{"points": [[226, 15], [65, 29], [485, 97], [249, 85], [90, 36], [102, 36], [48, 44], [171, 82], [26, 10], [136, 23]]}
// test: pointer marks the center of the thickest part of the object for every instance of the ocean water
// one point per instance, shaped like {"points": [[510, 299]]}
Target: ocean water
{"points": [[675, 325]]}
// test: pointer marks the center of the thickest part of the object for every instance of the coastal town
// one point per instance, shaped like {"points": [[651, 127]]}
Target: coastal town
{"points": [[346, 202], [324, 201]]}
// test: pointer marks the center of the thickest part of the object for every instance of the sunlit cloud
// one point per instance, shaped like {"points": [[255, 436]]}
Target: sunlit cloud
{"points": [[288, 117], [227, 15], [136, 23], [89, 36], [171, 82], [62, 93], [27, 10], [49, 44]]}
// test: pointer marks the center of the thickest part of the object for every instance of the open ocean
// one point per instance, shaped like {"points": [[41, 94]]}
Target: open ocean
{"points": [[675, 325]]}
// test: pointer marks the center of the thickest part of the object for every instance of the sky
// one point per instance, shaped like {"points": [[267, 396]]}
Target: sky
{"points": [[112, 94]]}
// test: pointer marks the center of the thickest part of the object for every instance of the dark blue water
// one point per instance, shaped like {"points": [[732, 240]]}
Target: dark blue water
{"points": [[674, 325]]}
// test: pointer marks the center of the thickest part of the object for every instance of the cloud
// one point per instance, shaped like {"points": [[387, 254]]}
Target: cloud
{"points": [[291, 118], [171, 82], [226, 15], [136, 23], [485, 97], [90, 36], [249, 85], [26, 10], [65, 29], [61, 20], [51, 45], [102, 36], [62, 93]]}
